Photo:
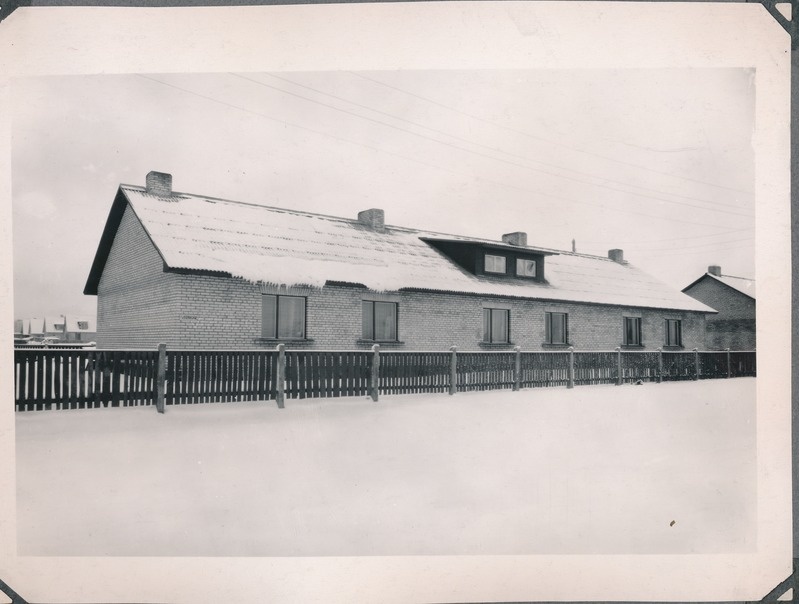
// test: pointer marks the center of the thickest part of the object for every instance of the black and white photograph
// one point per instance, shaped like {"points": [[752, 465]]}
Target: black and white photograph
{"points": [[420, 312]]}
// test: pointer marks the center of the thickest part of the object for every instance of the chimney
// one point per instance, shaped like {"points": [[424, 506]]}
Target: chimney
{"points": [[374, 218], [616, 256], [159, 183], [714, 270], [517, 238]]}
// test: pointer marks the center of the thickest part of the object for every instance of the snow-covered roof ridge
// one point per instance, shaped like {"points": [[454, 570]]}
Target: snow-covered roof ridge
{"points": [[289, 247]]}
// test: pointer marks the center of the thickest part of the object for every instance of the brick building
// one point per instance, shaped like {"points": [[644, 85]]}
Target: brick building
{"points": [[199, 272], [734, 325]]}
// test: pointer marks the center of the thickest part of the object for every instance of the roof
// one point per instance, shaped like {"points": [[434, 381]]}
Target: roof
{"points": [[288, 247], [80, 324], [740, 284], [53, 323]]}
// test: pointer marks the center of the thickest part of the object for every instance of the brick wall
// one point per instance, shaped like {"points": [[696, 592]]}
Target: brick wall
{"points": [[226, 313], [137, 302], [734, 326], [139, 305]]}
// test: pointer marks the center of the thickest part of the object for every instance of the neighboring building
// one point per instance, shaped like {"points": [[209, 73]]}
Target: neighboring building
{"points": [[199, 272], [734, 299], [61, 328]]}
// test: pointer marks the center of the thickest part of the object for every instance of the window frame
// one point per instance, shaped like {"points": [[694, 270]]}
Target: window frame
{"points": [[488, 335], [373, 317], [549, 331], [639, 339], [504, 259], [276, 320], [678, 324], [524, 275]]}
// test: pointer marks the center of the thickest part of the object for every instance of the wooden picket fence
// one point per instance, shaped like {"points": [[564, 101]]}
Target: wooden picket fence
{"points": [[49, 378]]}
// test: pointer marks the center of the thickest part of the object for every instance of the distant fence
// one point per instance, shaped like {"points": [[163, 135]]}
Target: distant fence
{"points": [[48, 378]]}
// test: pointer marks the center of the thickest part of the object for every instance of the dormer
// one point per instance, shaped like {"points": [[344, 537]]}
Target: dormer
{"points": [[510, 259]]}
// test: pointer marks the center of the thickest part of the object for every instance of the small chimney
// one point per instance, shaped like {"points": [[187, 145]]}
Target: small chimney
{"points": [[374, 218], [714, 270], [574, 245], [159, 183], [517, 238], [616, 256]]}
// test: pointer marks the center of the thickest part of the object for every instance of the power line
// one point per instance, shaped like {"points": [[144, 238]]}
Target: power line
{"points": [[488, 147], [720, 233], [527, 134], [483, 155], [693, 247], [380, 150]]}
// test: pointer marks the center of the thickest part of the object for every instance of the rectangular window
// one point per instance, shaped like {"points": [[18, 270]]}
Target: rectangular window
{"points": [[632, 331], [283, 317], [557, 324], [496, 325], [525, 268], [83, 325], [379, 321], [673, 332], [494, 264]]}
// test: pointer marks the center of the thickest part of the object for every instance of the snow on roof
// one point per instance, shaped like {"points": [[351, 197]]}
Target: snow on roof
{"points": [[287, 247], [53, 323], [80, 324], [742, 284], [36, 326]]}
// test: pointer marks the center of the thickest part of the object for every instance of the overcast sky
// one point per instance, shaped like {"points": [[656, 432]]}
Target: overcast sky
{"points": [[656, 162]]}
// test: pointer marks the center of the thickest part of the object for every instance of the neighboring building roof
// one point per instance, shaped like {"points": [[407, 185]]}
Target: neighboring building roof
{"points": [[36, 326], [81, 324], [53, 324], [287, 247], [741, 284]]}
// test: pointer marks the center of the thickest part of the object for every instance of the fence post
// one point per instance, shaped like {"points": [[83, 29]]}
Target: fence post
{"points": [[281, 375], [696, 364], [160, 382], [517, 367], [660, 365], [618, 366], [453, 369], [375, 380], [729, 364], [571, 368]]}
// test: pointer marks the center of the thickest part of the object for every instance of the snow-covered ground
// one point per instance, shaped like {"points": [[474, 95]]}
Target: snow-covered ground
{"points": [[657, 468]]}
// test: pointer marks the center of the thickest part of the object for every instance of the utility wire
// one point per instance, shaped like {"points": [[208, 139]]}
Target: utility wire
{"points": [[380, 150], [484, 155], [528, 135], [693, 247], [488, 147]]}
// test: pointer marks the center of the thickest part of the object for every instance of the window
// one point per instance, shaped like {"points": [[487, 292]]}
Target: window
{"points": [[525, 268], [673, 332], [557, 324], [283, 317], [83, 325], [494, 264], [379, 321], [496, 325], [632, 331]]}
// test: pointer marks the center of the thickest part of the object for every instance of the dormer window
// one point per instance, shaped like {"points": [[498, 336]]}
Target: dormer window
{"points": [[525, 267], [495, 264]]}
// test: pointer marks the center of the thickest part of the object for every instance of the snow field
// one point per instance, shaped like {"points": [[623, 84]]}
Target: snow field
{"points": [[596, 469]]}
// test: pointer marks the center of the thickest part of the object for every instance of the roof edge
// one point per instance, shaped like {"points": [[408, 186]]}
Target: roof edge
{"points": [[717, 280], [106, 241]]}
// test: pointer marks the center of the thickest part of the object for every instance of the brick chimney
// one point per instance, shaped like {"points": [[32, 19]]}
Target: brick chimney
{"points": [[159, 183], [517, 238], [714, 269], [374, 218], [616, 256]]}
